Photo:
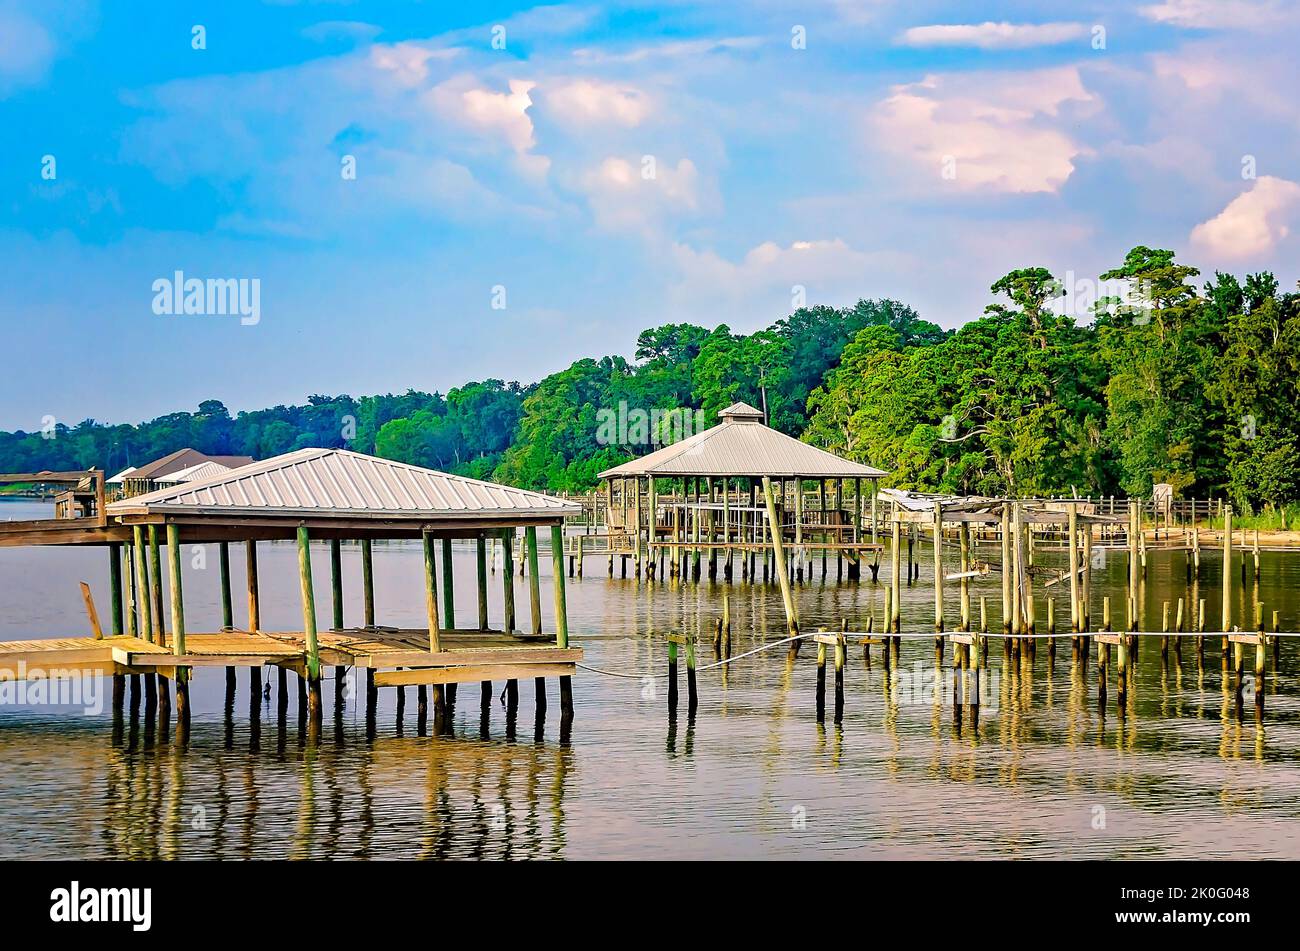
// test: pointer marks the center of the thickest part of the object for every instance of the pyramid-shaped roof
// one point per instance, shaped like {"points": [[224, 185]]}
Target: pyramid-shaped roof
{"points": [[321, 483], [742, 446]]}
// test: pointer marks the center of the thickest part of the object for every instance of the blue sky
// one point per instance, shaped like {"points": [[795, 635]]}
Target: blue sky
{"points": [[611, 166]]}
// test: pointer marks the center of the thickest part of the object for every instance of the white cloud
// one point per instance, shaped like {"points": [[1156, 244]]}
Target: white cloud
{"points": [[671, 50], [587, 101], [497, 116], [1002, 131], [1253, 223], [623, 196], [990, 35], [26, 49], [1222, 14], [407, 63], [759, 287]]}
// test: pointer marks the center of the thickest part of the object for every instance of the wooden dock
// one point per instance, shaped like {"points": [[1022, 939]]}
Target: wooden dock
{"points": [[398, 657]]}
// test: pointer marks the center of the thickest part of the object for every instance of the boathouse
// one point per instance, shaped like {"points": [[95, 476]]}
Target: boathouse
{"points": [[150, 476], [311, 495], [702, 494]]}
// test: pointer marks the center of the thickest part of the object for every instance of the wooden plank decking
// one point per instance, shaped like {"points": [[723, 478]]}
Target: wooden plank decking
{"points": [[466, 655]]}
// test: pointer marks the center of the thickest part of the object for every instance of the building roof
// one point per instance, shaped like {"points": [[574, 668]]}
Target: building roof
{"points": [[742, 446], [324, 483], [197, 473], [184, 459], [121, 475]]}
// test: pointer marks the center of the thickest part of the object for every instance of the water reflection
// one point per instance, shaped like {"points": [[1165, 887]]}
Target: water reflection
{"points": [[1190, 768]]}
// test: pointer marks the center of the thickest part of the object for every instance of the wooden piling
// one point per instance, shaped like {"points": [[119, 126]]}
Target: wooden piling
{"points": [[431, 594], [692, 695], [778, 554], [561, 615], [156, 600], [1007, 571], [480, 564], [534, 582], [448, 587], [841, 651], [938, 579], [182, 675], [368, 620], [508, 576], [821, 680], [309, 623], [895, 611]]}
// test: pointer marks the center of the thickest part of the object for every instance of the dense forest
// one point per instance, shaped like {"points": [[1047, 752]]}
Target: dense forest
{"points": [[1173, 380]]}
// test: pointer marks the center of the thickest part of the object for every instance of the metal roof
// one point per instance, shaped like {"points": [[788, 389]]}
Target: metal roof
{"points": [[322, 483], [196, 473], [742, 446], [184, 459]]}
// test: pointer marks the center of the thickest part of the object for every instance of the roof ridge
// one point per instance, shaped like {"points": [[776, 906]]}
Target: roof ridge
{"points": [[297, 457]]}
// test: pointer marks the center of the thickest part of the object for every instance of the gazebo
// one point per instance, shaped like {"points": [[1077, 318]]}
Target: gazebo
{"points": [[328, 495], [716, 476]]}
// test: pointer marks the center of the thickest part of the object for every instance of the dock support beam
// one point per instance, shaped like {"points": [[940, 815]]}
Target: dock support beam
{"points": [[155, 595], [178, 626], [480, 564], [115, 589], [254, 618], [778, 554], [368, 619], [309, 624], [448, 589], [435, 637], [561, 616]]}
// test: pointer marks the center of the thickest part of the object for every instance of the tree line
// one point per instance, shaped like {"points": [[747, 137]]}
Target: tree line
{"points": [[1169, 380]]}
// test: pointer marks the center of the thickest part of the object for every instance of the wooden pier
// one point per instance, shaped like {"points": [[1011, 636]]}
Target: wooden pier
{"points": [[326, 495]]}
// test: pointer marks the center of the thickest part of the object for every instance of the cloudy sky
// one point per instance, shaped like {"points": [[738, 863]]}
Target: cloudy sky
{"points": [[597, 169]]}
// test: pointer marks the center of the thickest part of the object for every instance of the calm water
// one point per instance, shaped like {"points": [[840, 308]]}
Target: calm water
{"points": [[752, 776]]}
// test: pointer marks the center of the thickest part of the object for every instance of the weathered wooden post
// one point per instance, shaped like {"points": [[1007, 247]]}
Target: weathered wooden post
{"points": [[1007, 573], [142, 574], [508, 575], [116, 621], [938, 581], [480, 564], [964, 541], [182, 674], [368, 620], [155, 596], [534, 582], [1103, 654], [132, 609], [448, 587], [821, 678], [726, 625], [1227, 576], [1085, 592], [895, 621], [778, 553], [841, 651], [309, 624], [798, 528], [1072, 547], [561, 616], [692, 695]]}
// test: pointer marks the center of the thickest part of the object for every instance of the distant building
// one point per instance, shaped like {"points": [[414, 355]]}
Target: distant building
{"points": [[152, 475]]}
